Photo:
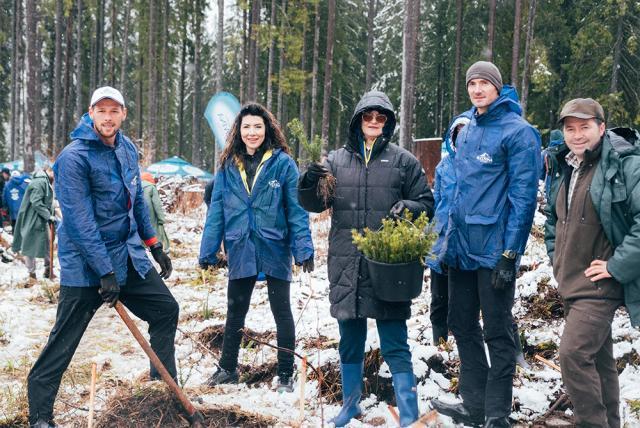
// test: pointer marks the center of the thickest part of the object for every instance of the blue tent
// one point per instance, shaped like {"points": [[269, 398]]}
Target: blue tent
{"points": [[177, 166], [18, 164]]}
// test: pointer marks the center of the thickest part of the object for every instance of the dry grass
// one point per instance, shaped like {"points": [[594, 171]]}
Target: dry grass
{"points": [[155, 406]]}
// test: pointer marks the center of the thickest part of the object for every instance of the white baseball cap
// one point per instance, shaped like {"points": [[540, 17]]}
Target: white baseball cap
{"points": [[107, 92]]}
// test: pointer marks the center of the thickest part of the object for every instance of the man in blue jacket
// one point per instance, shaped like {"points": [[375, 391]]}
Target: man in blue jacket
{"points": [[105, 221], [497, 169]]}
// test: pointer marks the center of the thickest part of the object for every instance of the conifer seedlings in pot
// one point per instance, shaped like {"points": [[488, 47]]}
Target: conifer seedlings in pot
{"points": [[395, 255]]}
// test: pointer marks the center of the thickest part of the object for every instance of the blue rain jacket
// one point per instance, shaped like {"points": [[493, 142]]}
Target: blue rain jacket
{"points": [[261, 230], [14, 192], [497, 166], [104, 215], [444, 187]]}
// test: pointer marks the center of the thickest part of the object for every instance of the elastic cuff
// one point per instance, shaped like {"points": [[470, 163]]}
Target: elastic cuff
{"points": [[149, 242]]}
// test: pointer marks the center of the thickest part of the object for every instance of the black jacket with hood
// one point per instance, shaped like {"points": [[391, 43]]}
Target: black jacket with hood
{"points": [[363, 197]]}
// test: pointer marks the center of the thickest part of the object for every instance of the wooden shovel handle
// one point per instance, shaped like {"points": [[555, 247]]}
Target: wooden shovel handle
{"points": [[191, 411]]}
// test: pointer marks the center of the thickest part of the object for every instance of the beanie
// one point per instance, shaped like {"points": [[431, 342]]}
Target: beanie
{"points": [[487, 71]]}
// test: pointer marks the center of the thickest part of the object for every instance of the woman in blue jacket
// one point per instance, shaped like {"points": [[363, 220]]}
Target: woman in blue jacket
{"points": [[255, 212]]}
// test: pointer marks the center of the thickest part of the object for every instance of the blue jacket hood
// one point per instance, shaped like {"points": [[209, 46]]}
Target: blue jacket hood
{"points": [[462, 118], [84, 129]]}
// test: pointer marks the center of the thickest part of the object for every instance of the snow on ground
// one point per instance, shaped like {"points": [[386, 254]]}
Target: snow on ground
{"points": [[27, 315]]}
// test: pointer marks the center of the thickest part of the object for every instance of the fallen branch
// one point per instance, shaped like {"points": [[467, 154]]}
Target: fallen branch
{"points": [[92, 394], [547, 363]]}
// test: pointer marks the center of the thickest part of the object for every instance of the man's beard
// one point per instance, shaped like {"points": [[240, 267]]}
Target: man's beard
{"points": [[98, 130]]}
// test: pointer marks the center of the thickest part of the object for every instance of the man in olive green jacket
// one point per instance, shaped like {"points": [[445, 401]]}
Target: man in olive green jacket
{"points": [[593, 240], [31, 236]]}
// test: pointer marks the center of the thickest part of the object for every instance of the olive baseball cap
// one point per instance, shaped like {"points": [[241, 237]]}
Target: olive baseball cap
{"points": [[582, 108]]}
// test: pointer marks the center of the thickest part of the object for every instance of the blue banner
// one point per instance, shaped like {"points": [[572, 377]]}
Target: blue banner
{"points": [[221, 110]]}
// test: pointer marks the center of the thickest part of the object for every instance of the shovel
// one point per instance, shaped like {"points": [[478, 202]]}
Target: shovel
{"points": [[195, 417], [52, 236]]}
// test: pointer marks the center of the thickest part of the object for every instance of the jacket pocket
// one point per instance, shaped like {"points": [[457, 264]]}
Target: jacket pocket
{"points": [[481, 230], [272, 233]]}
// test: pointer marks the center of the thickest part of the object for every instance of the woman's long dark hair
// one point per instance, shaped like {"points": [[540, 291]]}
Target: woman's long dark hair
{"points": [[273, 139]]}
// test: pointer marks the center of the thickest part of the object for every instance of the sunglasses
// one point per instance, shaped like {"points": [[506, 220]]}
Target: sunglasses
{"points": [[370, 117]]}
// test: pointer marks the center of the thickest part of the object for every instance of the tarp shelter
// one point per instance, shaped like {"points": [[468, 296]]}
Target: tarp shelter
{"points": [[177, 166], [18, 164]]}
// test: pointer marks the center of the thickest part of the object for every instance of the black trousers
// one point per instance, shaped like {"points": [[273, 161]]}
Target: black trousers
{"points": [[483, 388], [238, 298], [148, 298], [439, 306]]}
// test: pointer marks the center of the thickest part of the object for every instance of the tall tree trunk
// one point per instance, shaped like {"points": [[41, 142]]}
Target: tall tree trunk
{"points": [[125, 45], [458, 60], [410, 35], [515, 52], [80, 104], [253, 50], [165, 80], [491, 29], [196, 143], [66, 87], [152, 71], [140, 92], [617, 55], [243, 65], [338, 141], [112, 43], [303, 92], [272, 48], [31, 138], [314, 73], [281, 64], [220, 51], [328, 69], [183, 62], [57, 78], [100, 44], [15, 65], [370, 36], [526, 72]]}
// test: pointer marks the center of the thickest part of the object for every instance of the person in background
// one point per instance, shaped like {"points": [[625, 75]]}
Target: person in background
{"points": [[31, 233], [255, 211], [5, 175], [374, 179], [13, 193], [549, 168], [208, 191], [444, 186], [156, 211]]}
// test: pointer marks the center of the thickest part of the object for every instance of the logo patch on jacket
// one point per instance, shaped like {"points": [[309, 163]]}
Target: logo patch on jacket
{"points": [[484, 158], [274, 183], [134, 182]]}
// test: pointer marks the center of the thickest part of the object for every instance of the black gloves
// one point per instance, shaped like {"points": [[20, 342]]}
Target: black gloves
{"points": [[397, 209], [163, 260], [504, 274], [109, 289], [315, 172], [307, 265], [221, 263]]}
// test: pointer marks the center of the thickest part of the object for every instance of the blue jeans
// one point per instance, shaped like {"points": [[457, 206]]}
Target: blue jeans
{"points": [[393, 343]]}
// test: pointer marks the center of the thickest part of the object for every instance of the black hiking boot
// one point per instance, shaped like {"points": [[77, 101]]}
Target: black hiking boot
{"points": [[459, 413], [223, 376], [497, 422], [285, 383], [41, 423]]}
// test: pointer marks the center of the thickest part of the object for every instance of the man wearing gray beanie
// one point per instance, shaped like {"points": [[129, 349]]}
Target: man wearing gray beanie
{"points": [[497, 168]]}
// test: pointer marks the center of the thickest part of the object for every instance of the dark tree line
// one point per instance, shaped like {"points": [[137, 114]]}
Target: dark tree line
{"points": [[304, 59]]}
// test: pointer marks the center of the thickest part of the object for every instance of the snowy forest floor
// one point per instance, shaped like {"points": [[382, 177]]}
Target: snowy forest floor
{"points": [[124, 398]]}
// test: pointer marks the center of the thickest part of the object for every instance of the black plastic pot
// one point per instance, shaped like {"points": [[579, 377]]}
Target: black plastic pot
{"points": [[396, 282]]}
